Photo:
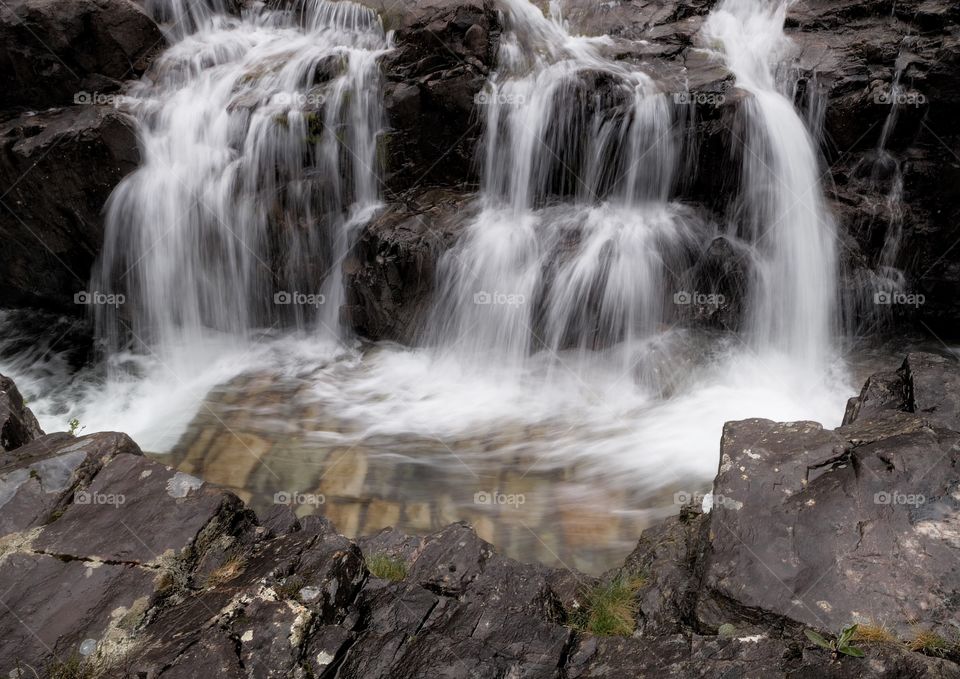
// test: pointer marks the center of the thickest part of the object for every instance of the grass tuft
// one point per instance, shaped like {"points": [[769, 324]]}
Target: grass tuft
{"points": [[387, 567], [929, 642], [610, 608], [227, 572], [875, 633]]}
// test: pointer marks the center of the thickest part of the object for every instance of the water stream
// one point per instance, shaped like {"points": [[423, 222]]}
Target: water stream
{"points": [[556, 367]]}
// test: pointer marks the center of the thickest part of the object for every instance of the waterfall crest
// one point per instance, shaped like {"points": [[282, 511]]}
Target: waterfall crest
{"points": [[259, 159]]}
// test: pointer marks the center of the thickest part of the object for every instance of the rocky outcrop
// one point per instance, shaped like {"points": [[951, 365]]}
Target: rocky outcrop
{"points": [[116, 563], [57, 169], [444, 52], [18, 426], [391, 275], [59, 53]]}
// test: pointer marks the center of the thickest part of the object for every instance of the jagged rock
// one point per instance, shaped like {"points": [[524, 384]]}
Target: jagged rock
{"points": [[445, 49], [18, 426], [818, 527], [38, 480], [52, 243], [52, 605], [926, 384], [53, 52], [391, 275]]}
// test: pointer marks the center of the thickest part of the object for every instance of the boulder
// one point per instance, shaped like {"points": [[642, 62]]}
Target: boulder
{"points": [[58, 53], [445, 50], [18, 425], [53, 237], [391, 274]]}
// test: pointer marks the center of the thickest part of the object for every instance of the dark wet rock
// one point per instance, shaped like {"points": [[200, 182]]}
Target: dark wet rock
{"points": [[18, 425], [53, 605], [136, 510], [668, 560], [38, 480], [53, 238], [925, 384], [808, 524], [445, 49], [449, 561], [391, 276], [58, 53]]}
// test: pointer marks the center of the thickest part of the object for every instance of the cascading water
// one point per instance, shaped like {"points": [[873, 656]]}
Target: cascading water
{"points": [[557, 368], [781, 210], [259, 145], [575, 243]]}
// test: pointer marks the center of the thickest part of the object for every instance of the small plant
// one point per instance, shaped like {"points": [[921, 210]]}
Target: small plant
{"points": [[929, 642], [839, 645], [609, 608], [75, 427], [874, 633], [290, 587], [387, 567], [227, 572], [74, 667]]}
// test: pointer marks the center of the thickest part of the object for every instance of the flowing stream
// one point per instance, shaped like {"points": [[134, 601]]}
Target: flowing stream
{"points": [[558, 401]]}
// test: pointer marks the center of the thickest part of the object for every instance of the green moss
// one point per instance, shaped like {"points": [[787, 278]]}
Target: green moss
{"points": [[387, 567], [610, 608]]}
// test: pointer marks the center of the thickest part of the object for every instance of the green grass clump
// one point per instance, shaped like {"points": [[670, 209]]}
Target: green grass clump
{"points": [[610, 608], [387, 567]]}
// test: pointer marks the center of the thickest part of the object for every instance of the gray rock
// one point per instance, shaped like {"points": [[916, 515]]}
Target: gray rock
{"points": [[17, 424]]}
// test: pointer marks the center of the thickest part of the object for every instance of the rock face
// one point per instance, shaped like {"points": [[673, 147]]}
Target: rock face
{"points": [[58, 53], [115, 563], [445, 50], [54, 236], [18, 426]]}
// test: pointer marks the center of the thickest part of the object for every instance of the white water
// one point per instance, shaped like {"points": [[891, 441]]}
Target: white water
{"points": [[781, 210], [556, 309], [252, 131]]}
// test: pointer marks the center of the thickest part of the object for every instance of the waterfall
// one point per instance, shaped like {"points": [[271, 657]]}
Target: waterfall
{"points": [[781, 209], [259, 153], [575, 243]]}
